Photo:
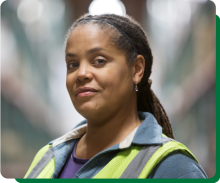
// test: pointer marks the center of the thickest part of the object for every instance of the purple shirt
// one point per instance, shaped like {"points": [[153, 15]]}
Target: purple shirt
{"points": [[72, 165]]}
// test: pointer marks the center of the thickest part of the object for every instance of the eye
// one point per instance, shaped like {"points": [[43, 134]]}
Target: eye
{"points": [[72, 65], [100, 62]]}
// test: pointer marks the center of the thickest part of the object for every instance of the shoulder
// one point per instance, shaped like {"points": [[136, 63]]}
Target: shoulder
{"points": [[178, 165]]}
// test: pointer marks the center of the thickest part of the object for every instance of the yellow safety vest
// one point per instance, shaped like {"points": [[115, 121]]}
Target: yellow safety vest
{"points": [[134, 162]]}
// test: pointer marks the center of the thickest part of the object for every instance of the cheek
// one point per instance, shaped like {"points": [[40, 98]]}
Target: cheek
{"points": [[116, 81], [70, 81]]}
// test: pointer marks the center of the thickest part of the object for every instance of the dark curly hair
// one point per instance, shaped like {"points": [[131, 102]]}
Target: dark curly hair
{"points": [[146, 99]]}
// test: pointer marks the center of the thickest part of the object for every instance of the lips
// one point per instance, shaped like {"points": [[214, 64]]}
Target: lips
{"points": [[85, 91]]}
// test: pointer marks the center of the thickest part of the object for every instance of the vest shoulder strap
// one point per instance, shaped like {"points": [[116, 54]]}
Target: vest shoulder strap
{"points": [[137, 162], [43, 160], [163, 151]]}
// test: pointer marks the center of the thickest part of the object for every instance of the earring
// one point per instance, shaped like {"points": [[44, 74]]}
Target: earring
{"points": [[136, 87]]}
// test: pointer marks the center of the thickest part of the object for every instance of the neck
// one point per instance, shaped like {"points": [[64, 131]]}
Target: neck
{"points": [[113, 130]]}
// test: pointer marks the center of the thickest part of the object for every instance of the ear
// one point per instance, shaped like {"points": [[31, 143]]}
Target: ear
{"points": [[138, 68]]}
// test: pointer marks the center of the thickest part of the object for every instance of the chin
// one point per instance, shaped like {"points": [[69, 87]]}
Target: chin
{"points": [[87, 109]]}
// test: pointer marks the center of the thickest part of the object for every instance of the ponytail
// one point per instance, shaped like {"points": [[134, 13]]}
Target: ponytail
{"points": [[148, 101]]}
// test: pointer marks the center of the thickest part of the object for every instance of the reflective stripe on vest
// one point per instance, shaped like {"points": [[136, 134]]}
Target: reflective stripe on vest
{"points": [[43, 164], [140, 166], [135, 168]]}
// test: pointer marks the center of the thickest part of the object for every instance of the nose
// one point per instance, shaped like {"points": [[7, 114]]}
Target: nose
{"points": [[83, 73]]}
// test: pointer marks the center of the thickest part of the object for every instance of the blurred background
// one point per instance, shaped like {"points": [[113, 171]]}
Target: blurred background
{"points": [[35, 105]]}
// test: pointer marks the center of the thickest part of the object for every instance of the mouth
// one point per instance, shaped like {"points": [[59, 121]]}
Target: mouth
{"points": [[85, 92]]}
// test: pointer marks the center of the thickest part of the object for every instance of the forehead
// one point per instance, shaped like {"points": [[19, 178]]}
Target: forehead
{"points": [[88, 36]]}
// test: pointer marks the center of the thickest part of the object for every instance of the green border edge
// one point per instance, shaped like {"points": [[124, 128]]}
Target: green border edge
{"points": [[215, 178]]}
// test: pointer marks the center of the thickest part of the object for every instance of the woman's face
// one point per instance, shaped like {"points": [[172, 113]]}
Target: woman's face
{"points": [[99, 80]]}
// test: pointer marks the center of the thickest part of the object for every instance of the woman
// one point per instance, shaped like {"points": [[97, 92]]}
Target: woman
{"points": [[109, 63]]}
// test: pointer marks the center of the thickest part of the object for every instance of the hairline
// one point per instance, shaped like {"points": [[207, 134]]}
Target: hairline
{"points": [[113, 31]]}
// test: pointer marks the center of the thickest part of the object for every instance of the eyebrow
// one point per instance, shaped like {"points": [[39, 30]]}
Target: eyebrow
{"points": [[88, 52], [94, 50]]}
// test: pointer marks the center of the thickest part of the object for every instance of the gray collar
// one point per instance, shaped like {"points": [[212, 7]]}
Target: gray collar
{"points": [[148, 133]]}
